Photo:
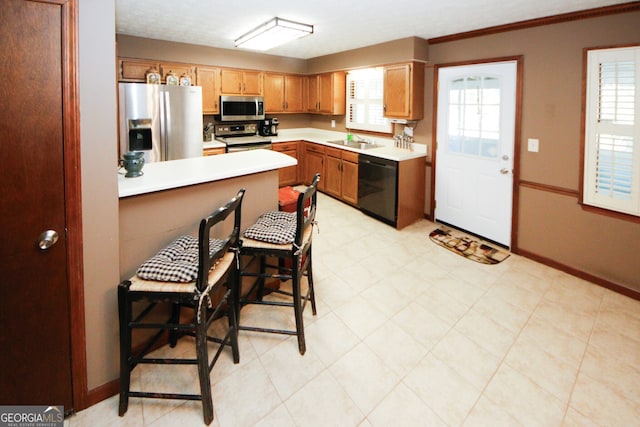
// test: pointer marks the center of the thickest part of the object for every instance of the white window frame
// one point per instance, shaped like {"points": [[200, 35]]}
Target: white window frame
{"points": [[599, 129], [372, 101]]}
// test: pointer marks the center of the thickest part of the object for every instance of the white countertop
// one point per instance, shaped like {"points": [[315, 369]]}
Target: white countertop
{"points": [[180, 173], [320, 136]]}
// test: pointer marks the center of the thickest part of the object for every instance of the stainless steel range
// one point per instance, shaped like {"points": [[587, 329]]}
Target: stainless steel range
{"points": [[241, 137]]}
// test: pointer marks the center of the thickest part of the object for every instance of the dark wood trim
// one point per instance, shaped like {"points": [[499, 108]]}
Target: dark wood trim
{"points": [[103, 392], [73, 198], [631, 293], [519, 59], [515, 192], [573, 193], [609, 213], [548, 20], [549, 188]]}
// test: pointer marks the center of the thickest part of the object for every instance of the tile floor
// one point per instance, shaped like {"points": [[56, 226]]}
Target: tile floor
{"points": [[409, 334]]}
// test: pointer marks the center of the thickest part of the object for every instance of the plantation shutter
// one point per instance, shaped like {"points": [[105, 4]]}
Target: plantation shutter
{"points": [[612, 131], [364, 101]]}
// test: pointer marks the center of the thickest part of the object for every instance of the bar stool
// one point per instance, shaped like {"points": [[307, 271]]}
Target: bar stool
{"points": [[186, 273], [287, 237]]}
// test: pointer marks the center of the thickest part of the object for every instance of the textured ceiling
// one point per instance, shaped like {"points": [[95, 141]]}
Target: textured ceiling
{"points": [[339, 25]]}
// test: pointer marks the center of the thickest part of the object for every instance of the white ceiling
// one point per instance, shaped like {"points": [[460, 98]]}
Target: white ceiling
{"points": [[339, 24]]}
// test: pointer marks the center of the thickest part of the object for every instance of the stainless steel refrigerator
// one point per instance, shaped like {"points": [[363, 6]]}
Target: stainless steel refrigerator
{"points": [[165, 122]]}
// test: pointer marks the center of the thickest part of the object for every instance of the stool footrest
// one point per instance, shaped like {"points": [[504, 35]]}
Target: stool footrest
{"points": [[269, 330], [165, 395]]}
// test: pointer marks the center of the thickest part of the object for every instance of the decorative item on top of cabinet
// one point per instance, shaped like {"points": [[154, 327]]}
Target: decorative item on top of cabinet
{"points": [[171, 79], [209, 79], [404, 91], [170, 70], [288, 175], [283, 93], [326, 93], [184, 80], [153, 76], [240, 82]]}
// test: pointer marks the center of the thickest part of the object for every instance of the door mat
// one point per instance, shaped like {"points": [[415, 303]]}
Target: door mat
{"points": [[468, 247]]}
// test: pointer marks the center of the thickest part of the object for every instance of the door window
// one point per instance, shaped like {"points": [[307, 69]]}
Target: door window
{"points": [[474, 116]]}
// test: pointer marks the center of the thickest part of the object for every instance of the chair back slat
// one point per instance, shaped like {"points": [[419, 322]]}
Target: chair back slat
{"points": [[306, 215], [206, 259]]}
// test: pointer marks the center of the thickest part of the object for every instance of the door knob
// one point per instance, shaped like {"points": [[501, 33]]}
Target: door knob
{"points": [[505, 157], [47, 239], [504, 171]]}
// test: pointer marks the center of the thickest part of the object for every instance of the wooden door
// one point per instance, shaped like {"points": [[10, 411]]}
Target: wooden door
{"points": [[325, 93], [350, 177], [230, 82], [38, 132], [293, 93], [396, 90], [333, 175], [273, 93], [207, 78], [312, 93], [252, 83], [314, 163]]}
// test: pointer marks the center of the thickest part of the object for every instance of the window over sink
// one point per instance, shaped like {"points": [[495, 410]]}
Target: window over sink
{"points": [[365, 89]]}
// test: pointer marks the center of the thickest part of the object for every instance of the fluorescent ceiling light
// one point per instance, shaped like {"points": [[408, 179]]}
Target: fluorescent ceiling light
{"points": [[273, 33]]}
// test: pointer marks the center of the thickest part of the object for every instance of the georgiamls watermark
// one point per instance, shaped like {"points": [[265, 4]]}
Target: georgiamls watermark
{"points": [[32, 416]]}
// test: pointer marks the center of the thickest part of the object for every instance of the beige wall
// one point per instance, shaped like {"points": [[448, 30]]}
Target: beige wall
{"points": [[553, 226], [138, 47], [98, 136]]}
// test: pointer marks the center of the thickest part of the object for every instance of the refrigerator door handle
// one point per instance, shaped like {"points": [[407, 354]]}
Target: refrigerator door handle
{"points": [[165, 122]]}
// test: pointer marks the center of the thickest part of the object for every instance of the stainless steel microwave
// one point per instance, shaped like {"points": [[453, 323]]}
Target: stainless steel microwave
{"points": [[235, 108]]}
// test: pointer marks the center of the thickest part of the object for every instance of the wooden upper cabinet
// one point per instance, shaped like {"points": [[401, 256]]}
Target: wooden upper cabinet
{"points": [[404, 91], [283, 93], [209, 79], [326, 93], [294, 93], [273, 93], [135, 70], [240, 82]]}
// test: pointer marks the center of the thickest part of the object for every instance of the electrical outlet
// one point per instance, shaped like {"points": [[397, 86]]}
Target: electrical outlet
{"points": [[333, 123], [533, 145]]}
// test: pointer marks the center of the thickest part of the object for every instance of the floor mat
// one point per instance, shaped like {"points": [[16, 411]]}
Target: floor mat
{"points": [[467, 246]]}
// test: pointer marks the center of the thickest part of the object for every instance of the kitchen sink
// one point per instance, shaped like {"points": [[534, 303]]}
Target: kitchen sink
{"points": [[361, 145]]}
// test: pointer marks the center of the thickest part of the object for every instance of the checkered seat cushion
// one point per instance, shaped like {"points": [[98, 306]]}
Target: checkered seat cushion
{"points": [[274, 227], [177, 262]]}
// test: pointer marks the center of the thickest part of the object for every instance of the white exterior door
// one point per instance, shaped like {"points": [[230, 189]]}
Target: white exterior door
{"points": [[474, 156]]}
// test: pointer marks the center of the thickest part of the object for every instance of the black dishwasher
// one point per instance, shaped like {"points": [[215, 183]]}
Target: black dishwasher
{"points": [[378, 188]]}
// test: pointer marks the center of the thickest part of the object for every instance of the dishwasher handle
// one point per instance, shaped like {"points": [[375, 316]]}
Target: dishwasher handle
{"points": [[377, 163]]}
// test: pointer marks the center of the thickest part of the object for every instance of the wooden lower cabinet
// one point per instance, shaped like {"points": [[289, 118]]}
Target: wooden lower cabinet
{"points": [[350, 177], [341, 172], [314, 159], [213, 151], [288, 175]]}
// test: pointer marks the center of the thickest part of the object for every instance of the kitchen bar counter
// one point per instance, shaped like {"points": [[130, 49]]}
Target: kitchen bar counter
{"points": [[181, 173], [320, 136]]}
